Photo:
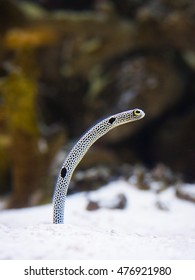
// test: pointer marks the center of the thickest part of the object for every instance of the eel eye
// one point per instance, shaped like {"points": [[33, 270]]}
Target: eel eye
{"points": [[136, 113]]}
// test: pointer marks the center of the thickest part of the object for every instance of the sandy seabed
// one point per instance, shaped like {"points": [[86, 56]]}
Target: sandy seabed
{"points": [[140, 231]]}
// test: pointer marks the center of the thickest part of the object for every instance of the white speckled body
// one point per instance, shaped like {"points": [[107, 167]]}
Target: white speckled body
{"points": [[79, 150]]}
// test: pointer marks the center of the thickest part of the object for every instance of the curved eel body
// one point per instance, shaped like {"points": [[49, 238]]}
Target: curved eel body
{"points": [[78, 152]]}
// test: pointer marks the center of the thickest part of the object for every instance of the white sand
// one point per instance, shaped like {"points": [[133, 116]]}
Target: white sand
{"points": [[141, 231]]}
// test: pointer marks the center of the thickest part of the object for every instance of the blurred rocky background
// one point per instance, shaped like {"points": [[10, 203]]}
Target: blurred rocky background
{"points": [[65, 64]]}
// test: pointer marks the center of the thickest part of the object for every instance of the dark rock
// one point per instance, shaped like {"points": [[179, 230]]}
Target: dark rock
{"points": [[120, 202], [117, 202], [164, 175], [92, 205], [140, 178], [186, 192]]}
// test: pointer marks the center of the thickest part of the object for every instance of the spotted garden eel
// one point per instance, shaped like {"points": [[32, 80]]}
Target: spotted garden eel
{"points": [[78, 152]]}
